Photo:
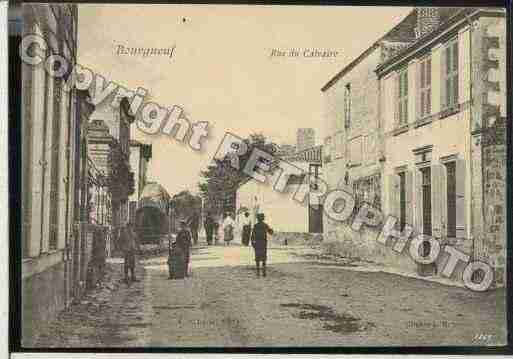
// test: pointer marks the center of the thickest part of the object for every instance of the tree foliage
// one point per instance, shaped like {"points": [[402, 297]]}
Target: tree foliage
{"points": [[220, 178]]}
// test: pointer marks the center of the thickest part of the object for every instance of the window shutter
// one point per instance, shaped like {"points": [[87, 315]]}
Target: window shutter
{"points": [[455, 79], [409, 197], [443, 78], [404, 118], [418, 202], [428, 84], [442, 188], [396, 99], [393, 184], [461, 213], [436, 200], [418, 92]]}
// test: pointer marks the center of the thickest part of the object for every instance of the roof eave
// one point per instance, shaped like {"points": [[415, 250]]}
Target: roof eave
{"points": [[453, 21]]}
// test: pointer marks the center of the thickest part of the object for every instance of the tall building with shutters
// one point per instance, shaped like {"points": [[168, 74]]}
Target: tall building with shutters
{"points": [[353, 150], [443, 116], [441, 133]]}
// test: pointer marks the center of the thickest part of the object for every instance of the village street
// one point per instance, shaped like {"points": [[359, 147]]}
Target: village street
{"points": [[301, 302]]}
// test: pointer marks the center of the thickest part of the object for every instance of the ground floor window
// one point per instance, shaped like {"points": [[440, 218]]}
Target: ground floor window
{"points": [[367, 190], [426, 201]]}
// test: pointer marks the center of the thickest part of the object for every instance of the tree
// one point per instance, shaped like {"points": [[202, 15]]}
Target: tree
{"points": [[220, 180]]}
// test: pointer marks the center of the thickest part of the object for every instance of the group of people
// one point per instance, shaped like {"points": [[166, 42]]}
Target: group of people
{"points": [[180, 249], [212, 229], [256, 235]]}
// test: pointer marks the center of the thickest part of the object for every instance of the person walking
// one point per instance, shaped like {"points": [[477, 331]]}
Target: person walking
{"points": [[228, 227], [246, 229], [209, 228], [259, 243], [218, 223], [183, 242], [194, 226], [130, 247]]}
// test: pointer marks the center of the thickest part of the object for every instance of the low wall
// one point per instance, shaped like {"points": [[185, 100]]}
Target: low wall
{"points": [[296, 238], [363, 245]]}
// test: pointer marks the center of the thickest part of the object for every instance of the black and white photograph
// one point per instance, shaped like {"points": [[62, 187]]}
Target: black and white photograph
{"points": [[260, 176]]}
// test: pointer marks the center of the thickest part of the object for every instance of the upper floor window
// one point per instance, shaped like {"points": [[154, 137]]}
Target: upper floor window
{"points": [[450, 75], [401, 113], [347, 106], [424, 76]]}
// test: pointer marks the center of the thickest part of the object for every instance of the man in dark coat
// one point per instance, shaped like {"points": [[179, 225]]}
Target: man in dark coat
{"points": [[209, 228], [259, 242], [183, 240]]}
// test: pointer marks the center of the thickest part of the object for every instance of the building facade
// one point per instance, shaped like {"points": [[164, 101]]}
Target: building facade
{"points": [[140, 155], [435, 103], [288, 217], [50, 133], [354, 146], [443, 112], [121, 181]]}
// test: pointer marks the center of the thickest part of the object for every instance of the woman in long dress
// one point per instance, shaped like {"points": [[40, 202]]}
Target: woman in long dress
{"points": [[228, 228]]}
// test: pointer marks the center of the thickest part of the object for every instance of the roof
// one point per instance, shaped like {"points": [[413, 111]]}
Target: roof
{"points": [[402, 32], [448, 16]]}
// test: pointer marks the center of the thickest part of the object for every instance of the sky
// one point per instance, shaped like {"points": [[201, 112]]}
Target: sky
{"points": [[221, 70]]}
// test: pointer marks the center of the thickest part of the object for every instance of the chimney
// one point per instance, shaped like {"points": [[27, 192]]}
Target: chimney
{"points": [[428, 19]]}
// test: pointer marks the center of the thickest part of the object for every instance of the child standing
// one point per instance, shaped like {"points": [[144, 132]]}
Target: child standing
{"points": [[259, 242]]}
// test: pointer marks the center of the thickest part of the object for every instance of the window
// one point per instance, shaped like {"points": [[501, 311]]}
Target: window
{"points": [[347, 106], [451, 199], [367, 190], [355, 150], [450, 75], [402, 97], [425, 87]]}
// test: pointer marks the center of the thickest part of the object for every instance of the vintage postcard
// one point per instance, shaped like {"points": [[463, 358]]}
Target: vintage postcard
{"points": [[220, 176]]}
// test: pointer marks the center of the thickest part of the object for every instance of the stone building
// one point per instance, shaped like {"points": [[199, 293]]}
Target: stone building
{"points": [[443, 115], [354, 147], [50, 174], [415, 137]]}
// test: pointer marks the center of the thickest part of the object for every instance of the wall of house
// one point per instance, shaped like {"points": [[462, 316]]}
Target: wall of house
{"points": [[43, 296], [355, 150], [46, 209], [490, 143], [450, 139], [282, 212]]}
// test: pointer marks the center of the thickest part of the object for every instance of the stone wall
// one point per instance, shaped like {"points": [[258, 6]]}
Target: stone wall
{"points": [[296, 238]]}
